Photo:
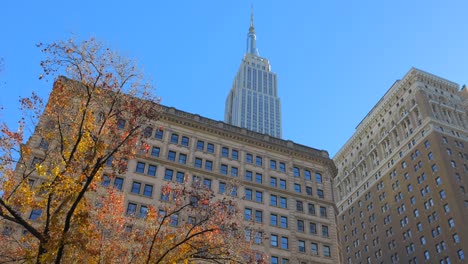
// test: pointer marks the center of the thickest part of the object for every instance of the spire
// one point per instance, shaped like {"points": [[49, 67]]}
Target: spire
{"points": [[251, 37]]}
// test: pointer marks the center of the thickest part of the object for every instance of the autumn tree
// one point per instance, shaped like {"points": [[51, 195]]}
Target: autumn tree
{"points": [[53, 208]]}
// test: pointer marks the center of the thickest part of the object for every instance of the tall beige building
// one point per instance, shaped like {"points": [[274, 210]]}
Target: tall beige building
{"points": [[282, 187], [402, 184]]}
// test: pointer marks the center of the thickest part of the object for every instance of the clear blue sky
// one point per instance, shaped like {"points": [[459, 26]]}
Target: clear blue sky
{"points": [[334, 59]]}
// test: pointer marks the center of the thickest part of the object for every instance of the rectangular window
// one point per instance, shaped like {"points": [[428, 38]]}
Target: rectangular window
{"points": [[131, 209], [320, 193], [152, 170], [209, 165], [318, 177], [307, 175], [284, 222], [284, 243], [282, 167], [248, 175], [168, 175], [312, 228], [180, 177], [273, 220], [273, 164], [225, 152], [326, 251], [198, 162], [143, 211], [200, 145], [273, 181], [259, 196], [314, 248], [35, 214], [323, 211], [118, 183], [324, 231], [283, 202], [182, 158], [234, 171], [148, 190], [185, 141], [296, 172], [222, 187], [248, 194], [274, 243], [301, 246], [273, 200], [159, 134], [171, 155], [207, 183], [136, 187], [210, 148], [248, 214], [258, 216], [140, 168], [235, 154], [299, 206], [223, 169], [311, 208], [105, 181], [258, 161], [282, 184], [155, 151], [297, 187], [248, 158], [308, 190], [175, 138], [258, 177], [300, 225]]}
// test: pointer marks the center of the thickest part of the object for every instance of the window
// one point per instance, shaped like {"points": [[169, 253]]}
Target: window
{"points": [[136, 187], [308, 190], [282, 184], [174, 138], [248, 175], [318, 177], [258, 161], [155, 151], [235, 154], [143, 211], [323, 211], [446, 208], [159, 134], [118, 183], [307, 175], [182, 158], [131, 209], [326, 251], [209, 165], [461, 255], [274, 242], [282, 167], [438, 181], [152, 170], [284, 222], [258, 216], [248, 214], [453, 164], [311, 208], [148, 190], [223, 169], [210, 148], [234, 171], [456, 238], [171, 155], [434, 167], [105, 180], [273, 200], [185, 141], [273, 220], [35, 213], [314, 248], [258, 177], [423, 240], [442, 194], [273, 181], [222, 187], [207, 183], [296, 172], [301, 246], [258, 238], [312, 228], [248, 158], [284, 243], [426, 255], [274, 260], [200, 145], [299, 206], [198, 163], [297, 187], [121, 124], [451, 223], [320, 193], [427, 144], [430, 156], [283, 202], [273, 164], [168, 175], [140, 168], [300, 225], [180, 177], [248, 194], [324, 231], [225, 152]]}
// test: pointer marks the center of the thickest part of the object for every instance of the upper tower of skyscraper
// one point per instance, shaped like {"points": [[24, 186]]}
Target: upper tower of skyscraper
{"points": [[253, 101]]}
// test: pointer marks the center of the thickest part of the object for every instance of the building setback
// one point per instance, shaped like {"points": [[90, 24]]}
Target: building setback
{"points": [[402, 184], [253, 101]]}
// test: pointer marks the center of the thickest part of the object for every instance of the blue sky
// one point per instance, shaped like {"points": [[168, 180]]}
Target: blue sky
{"points": [[334, 59]]}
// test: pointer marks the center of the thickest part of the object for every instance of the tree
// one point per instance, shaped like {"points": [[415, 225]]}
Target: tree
{"points": [[91, 126]]}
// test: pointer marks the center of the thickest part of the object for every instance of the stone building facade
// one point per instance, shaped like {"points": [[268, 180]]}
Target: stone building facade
{"points": [[402, 184]]}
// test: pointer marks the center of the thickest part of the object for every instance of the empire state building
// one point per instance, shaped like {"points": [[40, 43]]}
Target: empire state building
{"points": [[253, 101]]}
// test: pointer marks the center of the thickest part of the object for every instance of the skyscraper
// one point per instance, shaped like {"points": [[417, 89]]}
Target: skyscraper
{"points": [[253, 101], [402, 185]]}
